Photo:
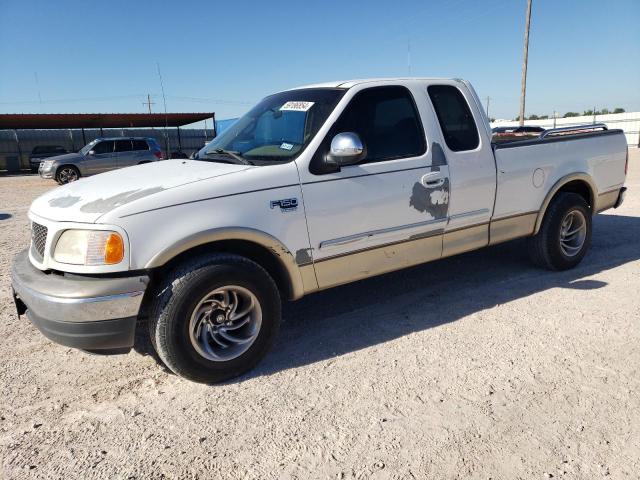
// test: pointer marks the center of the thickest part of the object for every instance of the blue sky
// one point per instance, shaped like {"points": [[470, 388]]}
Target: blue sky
{"points": [[91, 56]]}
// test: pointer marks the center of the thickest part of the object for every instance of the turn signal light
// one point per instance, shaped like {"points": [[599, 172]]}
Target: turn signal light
{"points": [[113, 249]]}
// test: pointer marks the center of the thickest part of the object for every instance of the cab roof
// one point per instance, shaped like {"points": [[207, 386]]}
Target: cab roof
{"points": [[351, 83]]}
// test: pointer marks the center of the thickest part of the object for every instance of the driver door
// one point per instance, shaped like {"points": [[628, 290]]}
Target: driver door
{"points": [[102, 159], [388, 211]]}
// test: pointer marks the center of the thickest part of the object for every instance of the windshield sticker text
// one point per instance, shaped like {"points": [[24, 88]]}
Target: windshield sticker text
{"points": [[297, 106], [286, 146]]}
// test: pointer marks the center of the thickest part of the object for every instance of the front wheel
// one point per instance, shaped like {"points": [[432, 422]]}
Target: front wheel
{"points": [[565, 234], [67, 174], [215, 317]]}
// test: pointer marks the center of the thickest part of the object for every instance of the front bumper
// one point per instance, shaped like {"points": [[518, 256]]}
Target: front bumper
{"points": [[90, 313], [45, 173]]}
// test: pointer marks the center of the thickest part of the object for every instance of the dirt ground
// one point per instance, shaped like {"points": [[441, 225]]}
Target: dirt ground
{"points": [[478, 366]]}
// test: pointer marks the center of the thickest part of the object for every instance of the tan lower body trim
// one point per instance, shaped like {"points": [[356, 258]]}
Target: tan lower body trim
{"points": [[354, 266], [375, 261], [465, 239], [504, 229], [607, 200], [309, 281]]}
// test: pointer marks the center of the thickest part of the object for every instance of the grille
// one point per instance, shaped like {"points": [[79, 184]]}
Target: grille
{"points": [[38, 239]]}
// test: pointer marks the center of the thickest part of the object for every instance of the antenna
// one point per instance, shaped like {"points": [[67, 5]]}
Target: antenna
{"points": [[35, 74], [409, 55], [166, 118]]}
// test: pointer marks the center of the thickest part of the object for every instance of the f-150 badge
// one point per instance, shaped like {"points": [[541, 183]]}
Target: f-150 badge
{"points": [[286, 204]]}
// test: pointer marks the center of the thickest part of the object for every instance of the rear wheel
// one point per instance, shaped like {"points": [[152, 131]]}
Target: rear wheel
{"points": [[67, 174], [215, 317], [565, 234]]}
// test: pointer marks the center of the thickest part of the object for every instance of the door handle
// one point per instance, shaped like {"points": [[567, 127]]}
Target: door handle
{"points": [[432, 179]]}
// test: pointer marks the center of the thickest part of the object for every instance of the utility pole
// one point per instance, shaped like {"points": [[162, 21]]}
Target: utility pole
{"points": [[488, 100], [555, 116], [525, 58], [148, 103]]}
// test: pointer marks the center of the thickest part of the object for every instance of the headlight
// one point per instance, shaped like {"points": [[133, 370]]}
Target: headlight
{"points": [[89, 247], [47, 164]]}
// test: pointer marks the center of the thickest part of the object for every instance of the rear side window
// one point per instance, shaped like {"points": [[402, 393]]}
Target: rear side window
{"points": [[387, 121], [140, 145], [103, 147], [457, 123], [123, 145]]}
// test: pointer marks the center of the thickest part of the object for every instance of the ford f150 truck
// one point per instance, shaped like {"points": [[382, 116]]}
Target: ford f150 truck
{"points": [[314, 187]]}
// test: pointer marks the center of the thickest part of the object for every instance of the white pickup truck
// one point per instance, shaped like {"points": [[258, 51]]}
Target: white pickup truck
{"points": [[314, 187]]}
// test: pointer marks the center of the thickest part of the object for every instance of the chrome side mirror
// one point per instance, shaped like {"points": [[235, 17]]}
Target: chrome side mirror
{"points": [[91, 152], [346, 149]]}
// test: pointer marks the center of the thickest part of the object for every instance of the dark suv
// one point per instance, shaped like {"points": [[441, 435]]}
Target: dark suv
{"points": [[101, 155], [41, 152]]}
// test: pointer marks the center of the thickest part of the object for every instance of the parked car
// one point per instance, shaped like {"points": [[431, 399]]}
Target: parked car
{"points": [[101, 155], [313, 188], [41, 152]]}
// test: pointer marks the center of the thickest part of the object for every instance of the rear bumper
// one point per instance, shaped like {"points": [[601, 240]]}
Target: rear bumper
{"points": [[620, 199], [91, 313]]}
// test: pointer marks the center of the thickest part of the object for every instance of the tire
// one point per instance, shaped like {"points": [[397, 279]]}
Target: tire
{"points": [[177, 306], [552, 249], [66, 174]]}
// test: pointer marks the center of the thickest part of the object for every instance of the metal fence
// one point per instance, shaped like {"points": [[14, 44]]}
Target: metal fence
{"points": [[628, 122], [17, 145]]}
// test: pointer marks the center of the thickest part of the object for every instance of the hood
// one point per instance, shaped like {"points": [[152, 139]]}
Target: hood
{"points": [[66, 157], [87, 199]]}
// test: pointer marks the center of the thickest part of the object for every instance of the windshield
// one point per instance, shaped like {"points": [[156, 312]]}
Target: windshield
{"points": [[278, 128], [84, 150]]}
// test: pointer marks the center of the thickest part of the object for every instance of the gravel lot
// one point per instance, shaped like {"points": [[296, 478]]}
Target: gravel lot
{"points": [[477, 366]]}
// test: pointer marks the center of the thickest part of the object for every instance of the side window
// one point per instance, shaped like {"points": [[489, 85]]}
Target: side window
{"points": [[387, 121], [140, 145], [123, 145], [103, 147], [457, 123]]}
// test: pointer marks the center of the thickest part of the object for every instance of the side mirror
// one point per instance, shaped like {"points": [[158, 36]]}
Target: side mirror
{"points": [[91, 152], [346, 149]]}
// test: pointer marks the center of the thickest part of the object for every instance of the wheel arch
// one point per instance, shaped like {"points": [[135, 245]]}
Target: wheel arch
{"points": [[261, 247], [580, 183]]}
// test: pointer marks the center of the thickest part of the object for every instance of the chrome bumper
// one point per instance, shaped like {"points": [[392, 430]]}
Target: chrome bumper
{"points": [[78, 311]]}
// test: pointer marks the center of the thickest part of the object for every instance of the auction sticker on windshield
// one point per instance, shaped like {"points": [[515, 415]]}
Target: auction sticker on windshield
{"points": [[297, 106]]}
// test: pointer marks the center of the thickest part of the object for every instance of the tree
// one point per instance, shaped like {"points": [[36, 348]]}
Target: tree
{"points": [[571, 114], [618, 110], [604, 111], [588, 113], [533, 117]]}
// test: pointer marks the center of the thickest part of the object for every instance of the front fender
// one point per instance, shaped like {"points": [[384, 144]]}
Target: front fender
{"points": [[282, 253]]}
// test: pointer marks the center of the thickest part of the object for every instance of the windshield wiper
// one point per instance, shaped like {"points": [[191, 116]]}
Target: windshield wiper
{"points": [[235, 155]]}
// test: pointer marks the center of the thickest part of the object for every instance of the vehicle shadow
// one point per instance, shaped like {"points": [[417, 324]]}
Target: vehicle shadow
{"points": [[356, 316], [369, 312], [5, 216]]}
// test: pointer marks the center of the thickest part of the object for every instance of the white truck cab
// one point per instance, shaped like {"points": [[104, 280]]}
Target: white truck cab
{"points": [[314, 187]]}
